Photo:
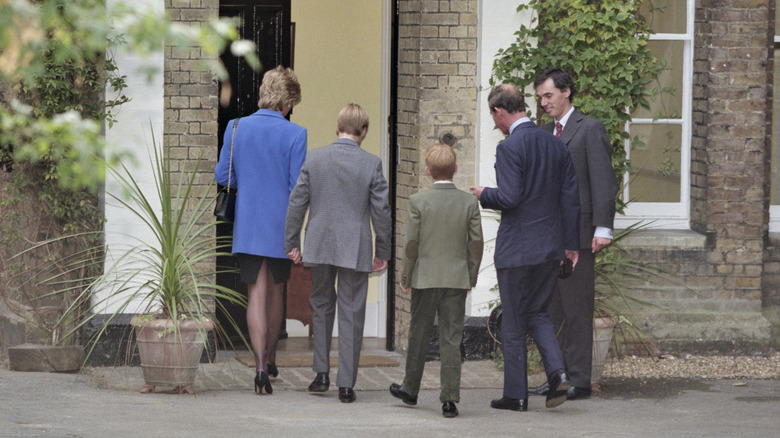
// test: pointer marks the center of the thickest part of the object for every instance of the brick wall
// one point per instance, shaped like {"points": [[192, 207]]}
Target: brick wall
{"points": [[191, 103], [437, 92], [730, 175], [736, 37]]}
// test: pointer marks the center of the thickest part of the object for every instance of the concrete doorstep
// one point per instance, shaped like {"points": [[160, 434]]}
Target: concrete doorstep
{"points": [[46, 358]]}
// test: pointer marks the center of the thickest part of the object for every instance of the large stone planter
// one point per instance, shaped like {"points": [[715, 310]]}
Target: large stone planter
{"points": [[170, 352], [603, 329]]}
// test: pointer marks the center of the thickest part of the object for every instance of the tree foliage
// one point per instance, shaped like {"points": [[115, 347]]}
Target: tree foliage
{"points": [[59, 87], [603, 45], [55, 53]]}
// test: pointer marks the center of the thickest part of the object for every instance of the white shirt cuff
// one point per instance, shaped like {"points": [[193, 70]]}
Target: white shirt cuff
{"points": [[603, 232]]}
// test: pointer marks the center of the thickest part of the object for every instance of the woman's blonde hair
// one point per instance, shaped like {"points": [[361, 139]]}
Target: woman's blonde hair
{"points": [[352, 119], [280, 88]]}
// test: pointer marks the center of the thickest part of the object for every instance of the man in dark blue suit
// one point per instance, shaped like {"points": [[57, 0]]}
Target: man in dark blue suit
{"points": [[538, 197]]}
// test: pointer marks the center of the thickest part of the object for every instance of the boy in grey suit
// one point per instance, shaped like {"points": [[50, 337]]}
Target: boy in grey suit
{"points": [[442, 254], [345, 191]]}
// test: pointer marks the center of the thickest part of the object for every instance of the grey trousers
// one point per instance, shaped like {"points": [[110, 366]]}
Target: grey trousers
{"points": [[571, 312], [450, 306], [351, 299]]}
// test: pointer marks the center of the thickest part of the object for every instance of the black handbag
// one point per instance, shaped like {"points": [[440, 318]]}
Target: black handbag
{"points": [[225, 207]]}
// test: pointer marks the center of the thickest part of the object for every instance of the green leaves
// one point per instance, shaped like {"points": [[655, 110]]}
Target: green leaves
{"points": [[603, 45], [56, 56]]}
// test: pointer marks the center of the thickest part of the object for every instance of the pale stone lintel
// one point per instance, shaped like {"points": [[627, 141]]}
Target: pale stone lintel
{"points": [[664, 239]]}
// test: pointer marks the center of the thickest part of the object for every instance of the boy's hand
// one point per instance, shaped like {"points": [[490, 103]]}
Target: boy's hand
{"points": [[405, 289], [295, 256], [378, 265]]}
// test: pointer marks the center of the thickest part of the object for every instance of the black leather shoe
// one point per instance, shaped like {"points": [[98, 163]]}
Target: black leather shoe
{"points": [[539, 390], [346, 395], [449, 410], [321, 383], [575, 393], [397, 391], [559, 387], [511, 404]]}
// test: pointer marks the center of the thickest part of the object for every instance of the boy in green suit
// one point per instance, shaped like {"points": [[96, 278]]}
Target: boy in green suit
{"points": [[442, 254]]}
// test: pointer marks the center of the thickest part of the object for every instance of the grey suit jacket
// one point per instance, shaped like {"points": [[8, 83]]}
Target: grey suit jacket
{"points": [[344, 190], [444, 241], [591, 154]]}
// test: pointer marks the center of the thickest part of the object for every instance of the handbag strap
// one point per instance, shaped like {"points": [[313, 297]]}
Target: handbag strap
{"points": [[232, 140]]}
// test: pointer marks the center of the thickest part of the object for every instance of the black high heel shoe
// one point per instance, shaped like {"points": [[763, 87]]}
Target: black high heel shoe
{"points": [[272, 370], [262, 384]]}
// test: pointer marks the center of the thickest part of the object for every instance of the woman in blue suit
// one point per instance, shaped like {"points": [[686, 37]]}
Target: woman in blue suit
{"points": [[268, 152]]}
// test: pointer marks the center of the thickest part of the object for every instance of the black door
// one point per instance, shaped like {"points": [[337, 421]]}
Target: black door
{"points": [[267, 23]]}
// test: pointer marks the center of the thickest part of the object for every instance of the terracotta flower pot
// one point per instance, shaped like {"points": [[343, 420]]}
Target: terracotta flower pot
{"points": [[170, 352], [602, 337]]}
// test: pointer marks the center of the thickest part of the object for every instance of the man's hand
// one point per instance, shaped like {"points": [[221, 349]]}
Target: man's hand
{"points": [[599, 243], [295, 256], [405, 289], [379, 265], [574, 256], [477, 190]]}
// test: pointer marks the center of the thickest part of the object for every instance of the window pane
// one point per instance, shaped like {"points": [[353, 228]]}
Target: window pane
{"points": [[777, 25], [666, 104], [774, 193], [657, 162], [671, 20]]}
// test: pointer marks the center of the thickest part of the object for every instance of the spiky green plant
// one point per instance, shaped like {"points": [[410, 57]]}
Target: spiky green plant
{"points": [[172, 275]]}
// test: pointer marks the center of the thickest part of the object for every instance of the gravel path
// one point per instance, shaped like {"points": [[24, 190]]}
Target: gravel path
{"points": [[702, 367]]}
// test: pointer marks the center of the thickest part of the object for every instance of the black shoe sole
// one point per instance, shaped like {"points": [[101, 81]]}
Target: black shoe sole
{"points": [[318, 389], [558, 397], [401, 397]]}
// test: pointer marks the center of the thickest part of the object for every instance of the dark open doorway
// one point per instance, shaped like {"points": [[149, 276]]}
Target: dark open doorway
{"points": [[267, 23]]}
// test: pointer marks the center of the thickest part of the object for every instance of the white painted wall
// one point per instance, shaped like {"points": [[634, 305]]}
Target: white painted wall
{"points": [[498, 21], [137, 120]]}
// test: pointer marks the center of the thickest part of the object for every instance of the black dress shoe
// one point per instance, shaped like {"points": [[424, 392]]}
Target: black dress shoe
{"points": [[575, 393], [511, 404], [321, 383], [346, 395], [272, 370], [559, 387], [397, 391], [539, 390], [449, 410]]}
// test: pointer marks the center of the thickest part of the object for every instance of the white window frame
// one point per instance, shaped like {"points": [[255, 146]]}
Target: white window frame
{"points": [[670, 215], [774, 209]]}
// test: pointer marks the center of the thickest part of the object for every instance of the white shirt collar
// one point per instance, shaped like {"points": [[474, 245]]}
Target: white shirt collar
{"points": [[518, 122], [565, 117]]}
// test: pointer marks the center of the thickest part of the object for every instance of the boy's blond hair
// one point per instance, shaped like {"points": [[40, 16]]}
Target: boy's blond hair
{"points": [[441, 161], [352, 119]]}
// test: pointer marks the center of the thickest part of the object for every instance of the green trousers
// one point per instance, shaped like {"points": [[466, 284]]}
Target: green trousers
{"points": [[450, 307]]}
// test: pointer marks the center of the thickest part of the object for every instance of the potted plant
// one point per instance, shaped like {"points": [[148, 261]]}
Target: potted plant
{"points": [[168, 280]]}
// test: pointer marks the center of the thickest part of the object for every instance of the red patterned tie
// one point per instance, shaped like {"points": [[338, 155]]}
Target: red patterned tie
{"points": [[558, 129]]}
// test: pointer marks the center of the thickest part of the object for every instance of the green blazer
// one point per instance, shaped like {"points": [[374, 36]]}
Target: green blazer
{"points": [[443, 247]]}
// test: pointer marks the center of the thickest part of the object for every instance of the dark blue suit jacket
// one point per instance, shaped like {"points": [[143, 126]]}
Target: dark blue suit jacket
{"points": [[538, 197]]}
